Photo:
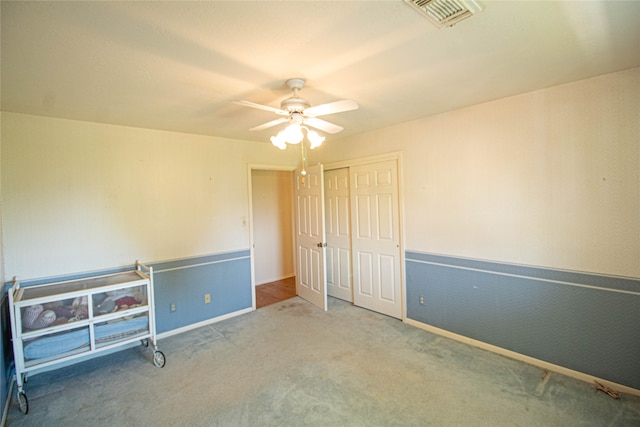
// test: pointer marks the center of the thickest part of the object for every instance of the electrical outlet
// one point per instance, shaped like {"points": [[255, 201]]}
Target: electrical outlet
{"points": [[207, 298], [172, 308], [421, 300]]}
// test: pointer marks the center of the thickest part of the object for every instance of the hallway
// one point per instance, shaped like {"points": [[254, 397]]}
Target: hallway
{"points": [[271, 293]]}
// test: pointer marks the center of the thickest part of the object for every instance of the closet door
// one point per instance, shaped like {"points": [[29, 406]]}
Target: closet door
{"points": [[338, 233], [376, 240], [310, 244]]}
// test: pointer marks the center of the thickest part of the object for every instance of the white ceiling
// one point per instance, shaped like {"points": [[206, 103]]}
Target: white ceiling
{"points": [[178, 65]]}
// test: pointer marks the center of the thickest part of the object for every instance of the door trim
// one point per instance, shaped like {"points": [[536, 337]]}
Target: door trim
{"points": [[250, 168], [393, 155]]}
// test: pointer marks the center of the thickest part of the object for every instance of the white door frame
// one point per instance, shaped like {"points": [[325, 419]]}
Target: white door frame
{"points": [[250, 168], [394, 155]]}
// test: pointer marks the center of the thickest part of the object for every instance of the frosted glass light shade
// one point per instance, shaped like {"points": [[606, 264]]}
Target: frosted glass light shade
{"points": [[315, 139], [279, 141], [293, 134]]}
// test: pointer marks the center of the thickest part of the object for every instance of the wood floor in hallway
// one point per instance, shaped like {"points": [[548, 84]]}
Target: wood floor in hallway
{"points": [[271, 293]]}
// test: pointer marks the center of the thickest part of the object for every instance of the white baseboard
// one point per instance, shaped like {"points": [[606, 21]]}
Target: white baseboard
{"points": [[203, 323], [288, 276], [523, 358]]}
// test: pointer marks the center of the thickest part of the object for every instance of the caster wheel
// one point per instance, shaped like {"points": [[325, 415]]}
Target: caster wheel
{"points": [[158, 359], [24, 403], [145, 343]]}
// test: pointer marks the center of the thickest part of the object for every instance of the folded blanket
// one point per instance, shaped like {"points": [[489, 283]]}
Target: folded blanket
{"points": [[106, 332], [52, 345]]}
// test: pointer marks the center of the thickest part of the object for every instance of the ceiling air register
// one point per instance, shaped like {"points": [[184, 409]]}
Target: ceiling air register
{"points": [[446, 13]]}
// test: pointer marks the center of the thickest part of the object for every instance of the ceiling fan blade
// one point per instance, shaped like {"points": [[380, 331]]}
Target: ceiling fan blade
{"points": [[322, 125], [270, 124], [262, 107], [331, 108]]}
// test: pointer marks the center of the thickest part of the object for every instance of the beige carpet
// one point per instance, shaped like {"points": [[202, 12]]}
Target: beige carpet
{"points": [[291, 364]]}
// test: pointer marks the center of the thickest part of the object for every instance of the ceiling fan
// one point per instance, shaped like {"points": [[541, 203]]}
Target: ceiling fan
{"points": [[298, 111]]}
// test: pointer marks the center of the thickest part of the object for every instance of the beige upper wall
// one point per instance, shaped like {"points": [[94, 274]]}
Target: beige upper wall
{"points": [[83, 196], [548, 178]]}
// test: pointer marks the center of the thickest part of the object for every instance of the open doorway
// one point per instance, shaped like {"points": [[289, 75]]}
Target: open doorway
{"points": [[273, 292], [272, 235]]}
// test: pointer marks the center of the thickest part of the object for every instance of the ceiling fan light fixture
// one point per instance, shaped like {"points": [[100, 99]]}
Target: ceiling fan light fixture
{"points": [[292, 134], [300, 115], [314, 138], [278, 141]]}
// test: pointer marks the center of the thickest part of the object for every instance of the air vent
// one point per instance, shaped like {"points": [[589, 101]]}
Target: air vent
{"points": [[446, 13]]}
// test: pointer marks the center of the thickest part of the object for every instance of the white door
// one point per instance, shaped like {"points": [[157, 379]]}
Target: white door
{"points": [[336, 199], [376, 239], [310, 237]]}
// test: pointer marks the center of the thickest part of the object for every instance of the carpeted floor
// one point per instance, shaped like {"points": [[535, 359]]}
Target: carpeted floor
{"points": [[290, 364]]}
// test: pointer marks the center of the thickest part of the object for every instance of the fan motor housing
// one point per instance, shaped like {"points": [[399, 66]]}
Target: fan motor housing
{"points": [[294, 104]]}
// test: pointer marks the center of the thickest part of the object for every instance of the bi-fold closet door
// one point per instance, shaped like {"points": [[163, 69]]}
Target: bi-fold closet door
{"points": [[363, 236]]}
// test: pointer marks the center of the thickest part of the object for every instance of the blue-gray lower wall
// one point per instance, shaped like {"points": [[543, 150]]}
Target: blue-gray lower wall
{"points": [[226, 277], [585, 322]]}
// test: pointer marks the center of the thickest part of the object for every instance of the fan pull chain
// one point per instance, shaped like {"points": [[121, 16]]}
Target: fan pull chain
{"points": [[303, 160]]}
